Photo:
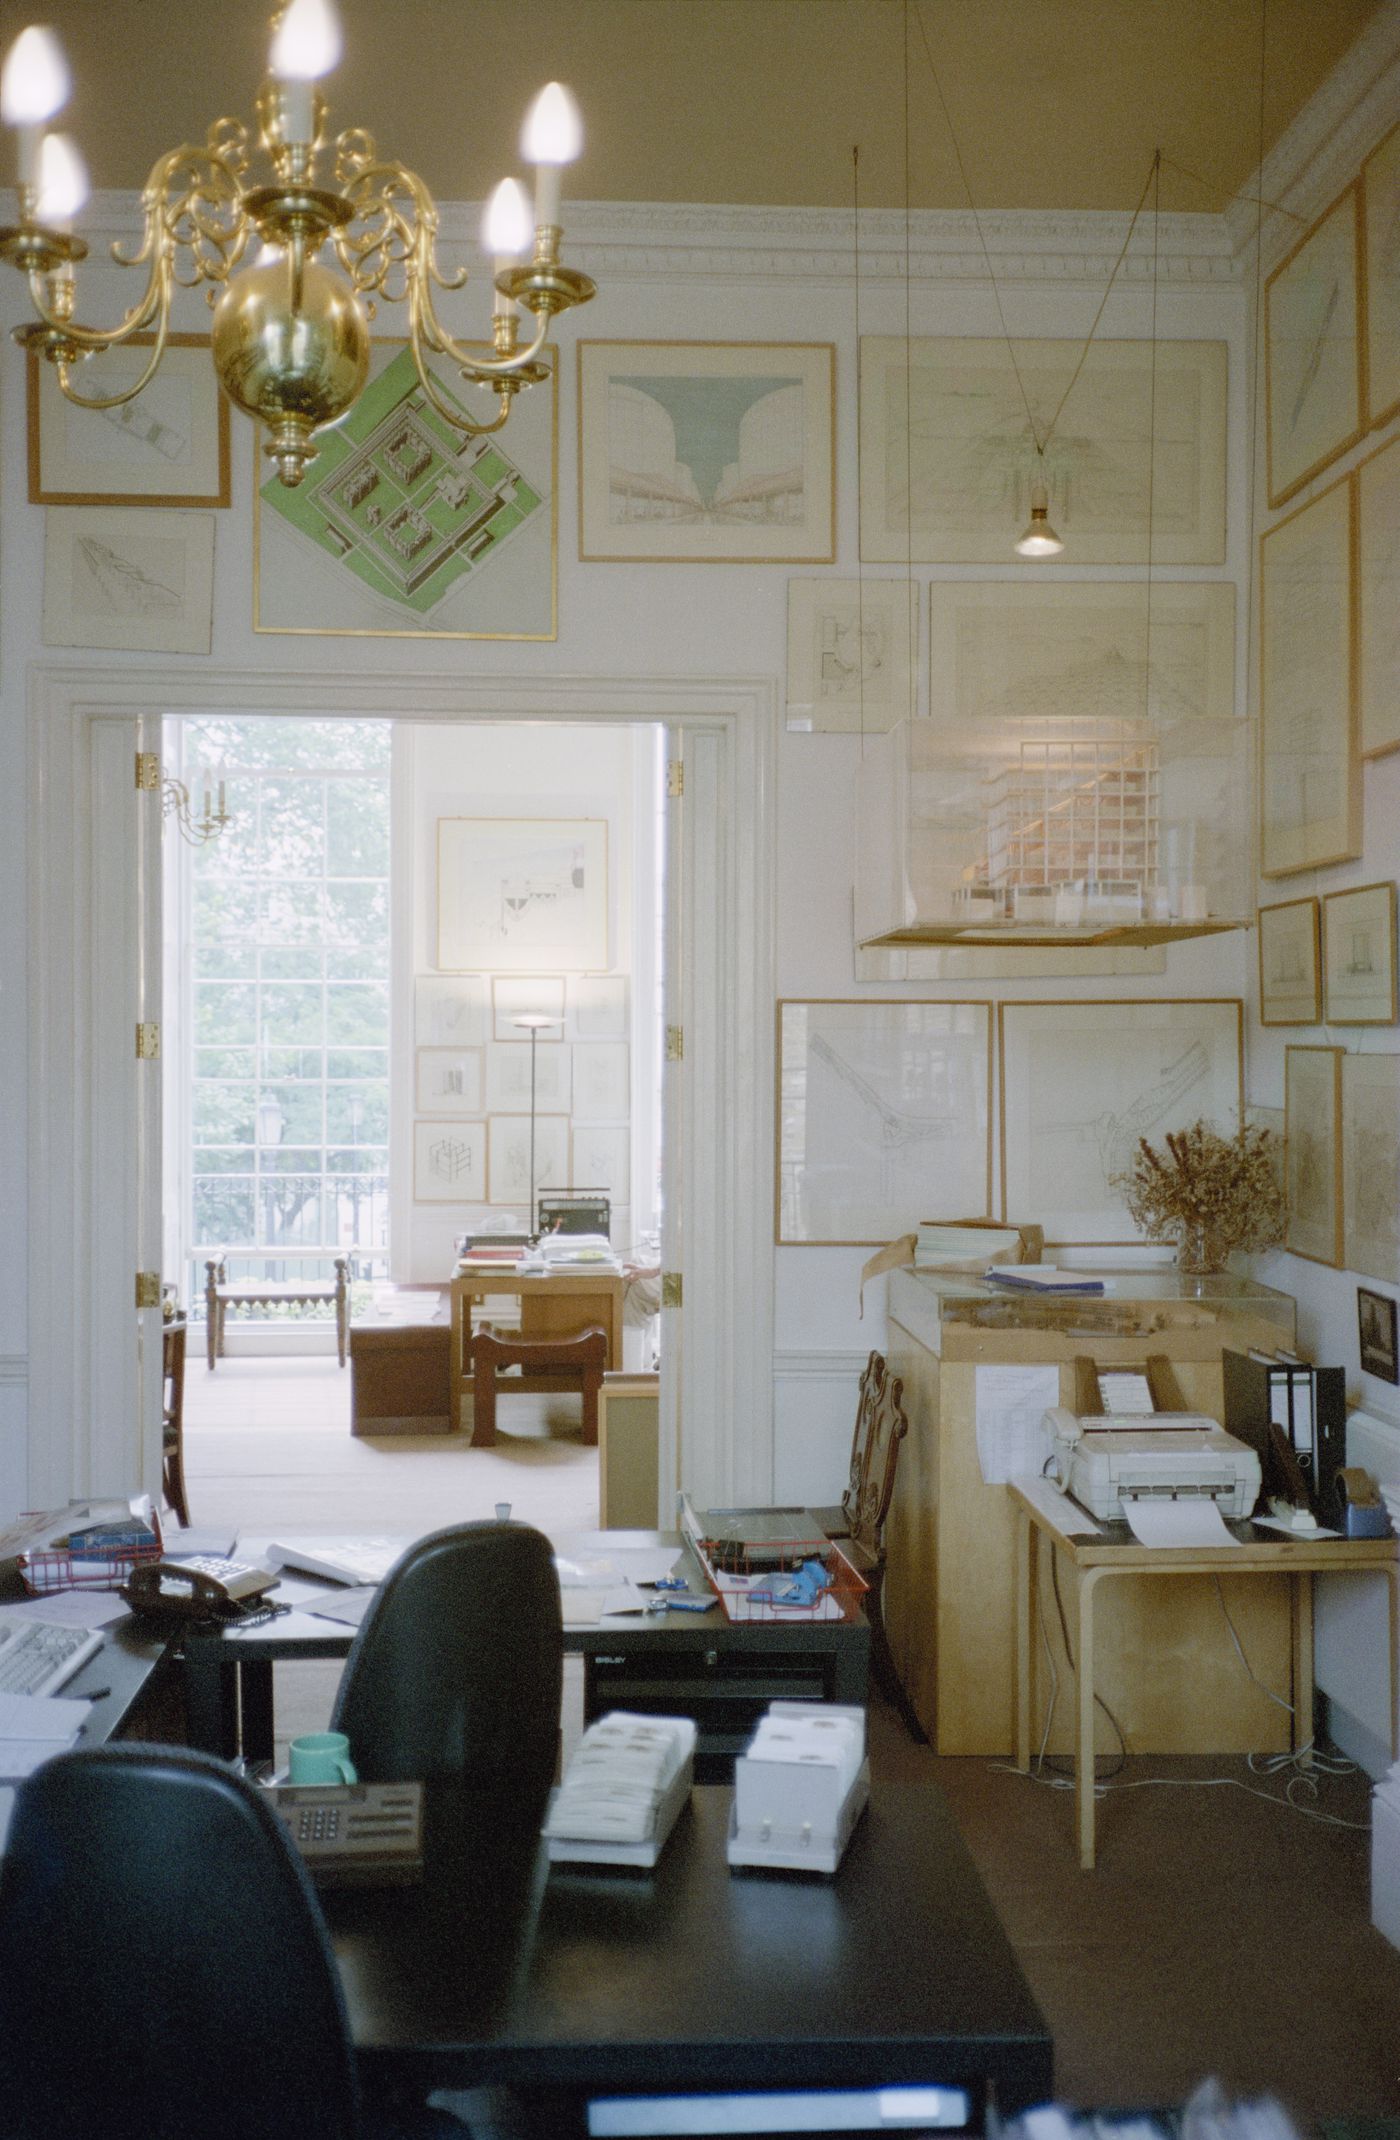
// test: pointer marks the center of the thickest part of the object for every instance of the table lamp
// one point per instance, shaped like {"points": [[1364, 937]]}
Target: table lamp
{"points": [[534, 1022]]}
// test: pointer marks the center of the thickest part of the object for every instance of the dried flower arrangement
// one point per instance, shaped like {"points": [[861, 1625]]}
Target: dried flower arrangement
{"points": [[1207, 1192]]}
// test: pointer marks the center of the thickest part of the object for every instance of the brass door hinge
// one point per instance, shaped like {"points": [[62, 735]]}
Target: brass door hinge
{"points": [[147, 771], [671, 1289], [675, 777], [148, 1289], [147, 1042], [675, 1043]]}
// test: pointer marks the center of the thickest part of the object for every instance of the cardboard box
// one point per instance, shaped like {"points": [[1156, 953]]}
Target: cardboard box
{"points": [[400, 1378]]}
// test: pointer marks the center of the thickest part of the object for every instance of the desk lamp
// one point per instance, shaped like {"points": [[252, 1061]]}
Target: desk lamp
{"points": [[534, 1023]]}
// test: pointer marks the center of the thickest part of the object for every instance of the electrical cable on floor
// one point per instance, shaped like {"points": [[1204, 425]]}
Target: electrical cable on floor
{"points": [[1250, 1673]]}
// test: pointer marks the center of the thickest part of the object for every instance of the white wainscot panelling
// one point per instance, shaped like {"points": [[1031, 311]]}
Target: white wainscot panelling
{"points": [[14, 1459], [1351, 1637], [814, 1416]]}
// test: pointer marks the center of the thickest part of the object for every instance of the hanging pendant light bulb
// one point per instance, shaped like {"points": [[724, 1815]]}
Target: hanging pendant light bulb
{"points": [[1039, 538]]}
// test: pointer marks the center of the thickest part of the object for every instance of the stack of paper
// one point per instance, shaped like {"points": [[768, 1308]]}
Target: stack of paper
{"points": [[623, 1789]]}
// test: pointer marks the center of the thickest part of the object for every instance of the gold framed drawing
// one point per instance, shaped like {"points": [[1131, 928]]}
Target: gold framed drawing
{"points": [[1312, 349], [1309, 767], [141, 582], [170, 446], [1371, 1165], [852, 655], [449, 1162], [1312, 1143], [719, 453], [1380, 201], [527, 895], [1290, 968], [1358, 955], [448, 1081], [1378, 598], [943, 422]]}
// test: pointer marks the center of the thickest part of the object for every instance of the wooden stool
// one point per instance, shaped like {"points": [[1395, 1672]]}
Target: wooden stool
{"points": [[565, 1363]]}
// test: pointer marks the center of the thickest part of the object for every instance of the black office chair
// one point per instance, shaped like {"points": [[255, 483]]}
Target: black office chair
{"points": [[164, 1969], [457, 1671]]}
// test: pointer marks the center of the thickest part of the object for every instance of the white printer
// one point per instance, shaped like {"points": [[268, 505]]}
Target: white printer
{"points": [[1109, 1458]]}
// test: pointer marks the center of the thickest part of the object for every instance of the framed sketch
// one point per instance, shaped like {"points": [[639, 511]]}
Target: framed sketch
{"points": [[852, 655], [139, 582], [448, 1081], [406, 527], [1312, 1106], [883, 1117], [527, 996], [1375, 1320], [509, 1146], [1310, 773], [1371, 1165], [1358, 955], [602, 1160], [170, 446], [600, 1081], [715, 453], [1378, 595], [450, 1013], [529, 895], [508, 1084], [1312, 349], [1004, 648], [1290, 970], [1380, 198], [449, 1163], [943, 423], [597, 1007], [1082, 1082]]}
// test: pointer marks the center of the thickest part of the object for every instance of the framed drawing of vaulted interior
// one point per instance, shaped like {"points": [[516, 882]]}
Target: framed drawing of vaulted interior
{"points": [[1380, 198], [1309, 766], [1358, 955], [1378, 595], [1312, 349], [1312, 1142], [1141, 450], [1290, 967], [1371, 1165]]}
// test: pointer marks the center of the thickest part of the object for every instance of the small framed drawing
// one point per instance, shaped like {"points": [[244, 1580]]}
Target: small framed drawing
{"points": [[600, 1081], [1378, 596], [1358, 955], [1380, 196], [527, 996], [597, 1007], [852, 655], [509, 1144], [450, 1013], [716, 453], [140, 582], [883, 1118], [512, 1081], [1376, 1321], [1312, 349], [1290, 973], [169, 446], [449, 1163], [529, 895], [448, 1081], [1310, 770], [1312, 1139], [1371, 1165], [601, 1160]]}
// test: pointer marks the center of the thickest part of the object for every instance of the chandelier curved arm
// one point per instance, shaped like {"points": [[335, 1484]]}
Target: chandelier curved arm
{"points": [[450, 411], [469, 360], [63, 366]]}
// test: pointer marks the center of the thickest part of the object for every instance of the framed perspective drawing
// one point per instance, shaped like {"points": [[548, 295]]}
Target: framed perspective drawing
{"points": [[1290, 971], [450, 1013], [852, 655], [510, 1156], [1082, 1082], [404, 526], [1004, 648], [1380, 200], [707, 452], [170, 446], [1378, 594], [1312, 1140], [1312, 349], [943, 421], [448, 1081], [143, 582], [1358, 955], [1310, 772], [509, 1076], [883, 1118], [526, 894], [1371, 1165], [449, 1162]]}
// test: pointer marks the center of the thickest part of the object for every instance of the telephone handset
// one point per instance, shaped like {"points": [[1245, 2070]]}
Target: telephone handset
{"points": [[204, 1587]]}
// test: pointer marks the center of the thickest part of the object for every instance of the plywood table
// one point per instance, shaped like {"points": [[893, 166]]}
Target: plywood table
{"points": [[1041, 1514], [550, 1306]]}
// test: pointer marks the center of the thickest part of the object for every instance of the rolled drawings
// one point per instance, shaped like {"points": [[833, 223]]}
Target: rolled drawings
{"points": [[883, 1117], [1371, 1165], [1082, 1082], [510, 1156], [601, 1161], [508, 1077], [449, 1162], [1312, 355], [140, 582], [1380, 188], [1312, 1101], [597, 1008], [943, 423], [852, 654], [1290, 974], [450, 1013], [534, 996], [1378, 598], [600, 1081], [1310, 777], [449, 1081], [1358, 945], [527, 895]]}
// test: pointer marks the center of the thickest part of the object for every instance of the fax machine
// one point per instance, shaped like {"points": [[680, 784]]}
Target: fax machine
{"points": [[1108, 1459]]}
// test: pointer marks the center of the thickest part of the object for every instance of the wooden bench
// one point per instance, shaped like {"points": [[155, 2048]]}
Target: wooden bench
{"points": [[220, 1296]]}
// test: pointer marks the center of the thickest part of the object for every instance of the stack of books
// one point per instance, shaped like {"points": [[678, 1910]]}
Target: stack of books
{"points": [[576, 1251], [483, 1252]]}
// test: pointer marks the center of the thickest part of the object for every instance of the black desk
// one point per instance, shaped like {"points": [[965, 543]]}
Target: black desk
{"points": [[564, 1981]]}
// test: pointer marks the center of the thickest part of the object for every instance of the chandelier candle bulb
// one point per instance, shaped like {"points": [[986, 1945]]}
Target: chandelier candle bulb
{"points": [[34, 84], [305, 46], [507, 235], [553, 136], [63, 182]]}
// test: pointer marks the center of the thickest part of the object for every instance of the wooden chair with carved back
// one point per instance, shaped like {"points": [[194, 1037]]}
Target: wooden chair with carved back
{"points": [[865, 1547], [173, 1419], [839, 1521]]}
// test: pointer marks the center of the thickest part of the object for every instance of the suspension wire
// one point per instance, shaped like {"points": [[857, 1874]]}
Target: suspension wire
{"points": [[1152, 440], [860, 560]]}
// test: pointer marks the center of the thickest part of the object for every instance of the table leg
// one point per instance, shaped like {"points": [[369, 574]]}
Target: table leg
{"points": [[850, 1669], [1302, 1625], [1025, 1632], [255, 1709], [1084, 1756], [1392, 1575], [211, 1699]]}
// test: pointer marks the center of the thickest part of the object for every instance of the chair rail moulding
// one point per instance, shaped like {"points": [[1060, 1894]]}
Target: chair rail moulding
{"points": [[81, 1251]]}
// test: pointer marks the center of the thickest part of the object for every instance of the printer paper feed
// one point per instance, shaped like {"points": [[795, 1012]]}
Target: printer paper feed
{"points": [[1011, 1407], [1191, 1521]]}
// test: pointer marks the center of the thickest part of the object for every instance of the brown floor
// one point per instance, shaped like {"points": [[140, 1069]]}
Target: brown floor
{"points": [[1221, 1933]]}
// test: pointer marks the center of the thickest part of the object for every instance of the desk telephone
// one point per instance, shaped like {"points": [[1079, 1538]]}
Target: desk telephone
{"points": [[204, 1587], [350, 1833]]}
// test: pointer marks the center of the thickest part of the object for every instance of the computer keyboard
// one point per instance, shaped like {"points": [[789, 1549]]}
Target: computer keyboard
{"points": [[38, 1657]]}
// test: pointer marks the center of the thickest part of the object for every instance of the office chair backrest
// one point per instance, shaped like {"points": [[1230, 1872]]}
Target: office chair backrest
{"points": [[164, 1969], [457, 1670]]}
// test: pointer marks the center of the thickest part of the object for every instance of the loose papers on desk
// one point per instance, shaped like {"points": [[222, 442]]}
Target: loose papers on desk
{"points": [[35, 1727], [1011, 1404]]}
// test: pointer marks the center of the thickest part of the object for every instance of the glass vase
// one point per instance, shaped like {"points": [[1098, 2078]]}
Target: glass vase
{"points": [[1200, 1251]]}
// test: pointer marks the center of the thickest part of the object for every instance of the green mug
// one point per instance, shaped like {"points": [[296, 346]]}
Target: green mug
{"points": [[320, 1757]]}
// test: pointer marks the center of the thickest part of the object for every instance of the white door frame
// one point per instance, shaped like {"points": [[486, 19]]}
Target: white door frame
{"points": [[93, 1383]]}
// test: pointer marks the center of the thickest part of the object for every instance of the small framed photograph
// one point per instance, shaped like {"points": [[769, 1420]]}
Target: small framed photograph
{"points": [[450, 1013], [448, 1081], [449, 1163], [1375, 1319], [168, 446], [1358, 938], [143, 583], [523, 895], [1312, 1138], [509, 1145], [600, 1081], [511, 1082], [852, 655], [1290, 971], [597, 1007], [1312, 349], [602, 1160], [527, 996]]}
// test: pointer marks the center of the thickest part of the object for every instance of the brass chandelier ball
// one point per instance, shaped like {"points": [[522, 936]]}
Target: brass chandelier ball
{"points": [[295, 357]]}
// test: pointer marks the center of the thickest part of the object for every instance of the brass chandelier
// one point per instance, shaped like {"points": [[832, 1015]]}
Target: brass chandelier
{"points": [[292, 269]]}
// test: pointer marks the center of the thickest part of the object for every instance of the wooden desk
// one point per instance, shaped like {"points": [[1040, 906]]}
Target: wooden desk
{"points": [[1040, 1514], [549, 1307]]}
